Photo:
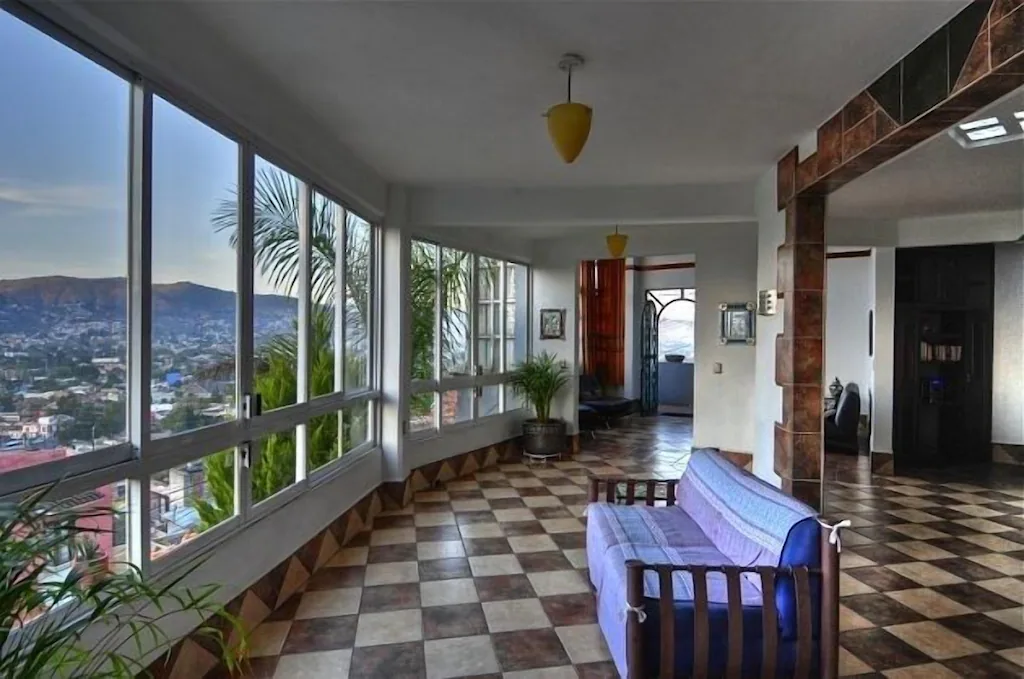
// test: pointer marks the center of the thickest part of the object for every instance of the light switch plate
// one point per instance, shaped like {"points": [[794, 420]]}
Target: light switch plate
{"points": [[717, 368]]}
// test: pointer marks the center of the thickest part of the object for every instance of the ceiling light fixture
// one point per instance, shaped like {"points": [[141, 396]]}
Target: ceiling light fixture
{"points": [[569, 122], [987, 133], [975, 124], [616, 243]]}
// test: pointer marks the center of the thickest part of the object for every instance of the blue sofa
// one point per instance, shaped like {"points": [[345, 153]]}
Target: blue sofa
{"points": [[724, 517]]}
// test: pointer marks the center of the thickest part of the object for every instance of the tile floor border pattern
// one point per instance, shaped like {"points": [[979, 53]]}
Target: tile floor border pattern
{"points": [[194, 656]]}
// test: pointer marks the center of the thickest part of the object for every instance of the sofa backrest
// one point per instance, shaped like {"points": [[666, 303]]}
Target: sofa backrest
{"points": [[748, 520], [848, 409], [753, 524]]}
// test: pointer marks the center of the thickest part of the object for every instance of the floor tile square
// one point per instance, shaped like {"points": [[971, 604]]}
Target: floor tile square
{"points": [[919, 531], [848, 620], [583, 643], [501, 587], [570, 609], [515, 614], [532, 543], [986, 631], [882, 610], [851, 665], [879, 578], [1011, 617], [564, 672], [486, 546], [460, 506], [507, 503], [978, 511], [990, 666], [514, 515], [1014, 655], [349, 556], [320, 634], [448, 592], [500, 564], [390, 598], [329, 602], [526, 482], [564, 491], [881, 650], [1007, 587], [529, 649], [925, 573], [392, 536], [431, 496], [498, 493], [967, 569], [460, 657], [522, 528], [984, 543], [543, 501], [929, 671], [382, 522], [535, 562], [460, 620], [935, 640], [435, 519], [913, 515], [438, 533], [444, 569], [974, 597], [549, 583], [881, 554], [375, 629], [394, 661], [481, 530], [1002, 563], [426, 551], [392, 553], [921, 551], [983, 525], [324, 665], [463, 518], [268, 638], [929, 603], [577, 557], [335, 578], [849, 559], [392, 573], [849, 586]]}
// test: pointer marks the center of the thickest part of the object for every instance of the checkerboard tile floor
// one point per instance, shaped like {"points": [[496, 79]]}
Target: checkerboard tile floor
{"points": [[486, 577]]}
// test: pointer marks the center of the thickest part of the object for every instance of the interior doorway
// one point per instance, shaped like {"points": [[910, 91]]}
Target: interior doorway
{"points": [[670, 375]]}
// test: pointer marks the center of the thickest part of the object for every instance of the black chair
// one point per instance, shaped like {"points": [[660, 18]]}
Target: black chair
{"points": [[841, 423], [606, 408]]}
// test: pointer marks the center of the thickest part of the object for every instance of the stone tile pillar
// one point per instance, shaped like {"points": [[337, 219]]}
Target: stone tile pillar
{"points": [[800, 351]]}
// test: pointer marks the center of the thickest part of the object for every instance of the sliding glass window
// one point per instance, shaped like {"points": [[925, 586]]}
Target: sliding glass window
{"points": [[469, 330]]}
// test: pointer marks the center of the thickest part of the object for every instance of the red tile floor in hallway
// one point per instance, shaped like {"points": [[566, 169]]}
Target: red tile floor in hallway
{"points": [[486, 576]]}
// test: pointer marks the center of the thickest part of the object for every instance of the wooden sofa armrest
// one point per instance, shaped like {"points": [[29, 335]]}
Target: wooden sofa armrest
{"points": [[649, 485]]}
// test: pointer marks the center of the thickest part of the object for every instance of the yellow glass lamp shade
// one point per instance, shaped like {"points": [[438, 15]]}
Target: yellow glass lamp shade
{"points": [[616, 244], [569, 127]]}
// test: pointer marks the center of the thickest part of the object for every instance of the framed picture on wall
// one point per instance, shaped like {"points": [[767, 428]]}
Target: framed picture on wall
{"points": [[552, 324], [737, 323]]}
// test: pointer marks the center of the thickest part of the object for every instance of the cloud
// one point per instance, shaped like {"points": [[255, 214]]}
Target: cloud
{"points": [[47, 200]]}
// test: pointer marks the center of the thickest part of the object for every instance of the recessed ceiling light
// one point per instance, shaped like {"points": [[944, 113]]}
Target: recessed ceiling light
{"points": [[1019, 115], [987, 133], [975, 124]]}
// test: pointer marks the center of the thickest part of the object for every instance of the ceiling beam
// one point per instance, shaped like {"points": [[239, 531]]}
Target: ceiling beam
{"points": [[972, 61]]}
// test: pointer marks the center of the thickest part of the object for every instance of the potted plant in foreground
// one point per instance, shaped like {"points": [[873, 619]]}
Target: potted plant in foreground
{"points": [[538, 380]]}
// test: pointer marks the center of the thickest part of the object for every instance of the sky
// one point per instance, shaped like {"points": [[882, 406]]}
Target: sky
{"points": [[63, 172]]}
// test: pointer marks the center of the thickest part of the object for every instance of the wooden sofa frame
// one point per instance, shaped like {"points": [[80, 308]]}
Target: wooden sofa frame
{"points": [[829, 572]]}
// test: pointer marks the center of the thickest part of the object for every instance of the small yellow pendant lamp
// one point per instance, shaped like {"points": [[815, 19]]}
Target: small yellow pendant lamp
{"points": [[569, 122], [616, 243]]}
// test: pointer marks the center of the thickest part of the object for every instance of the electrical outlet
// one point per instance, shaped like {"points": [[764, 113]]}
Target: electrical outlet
{"points": [[717, 368]]}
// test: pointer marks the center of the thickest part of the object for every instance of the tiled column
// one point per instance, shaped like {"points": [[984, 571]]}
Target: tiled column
{"points": [[799, 350]]}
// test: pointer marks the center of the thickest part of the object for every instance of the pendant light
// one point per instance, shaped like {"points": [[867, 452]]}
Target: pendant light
{"points": [[569, 122], [616, 243]]}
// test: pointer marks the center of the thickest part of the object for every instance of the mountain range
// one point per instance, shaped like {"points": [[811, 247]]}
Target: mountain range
{"points": [[28, 303]]}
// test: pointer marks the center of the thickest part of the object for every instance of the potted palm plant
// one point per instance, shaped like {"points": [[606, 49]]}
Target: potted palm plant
{"points": [[538, 380]]}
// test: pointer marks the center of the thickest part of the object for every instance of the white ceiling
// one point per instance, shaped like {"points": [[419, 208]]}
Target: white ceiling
{"points": [[941, 177], [451, 93]]}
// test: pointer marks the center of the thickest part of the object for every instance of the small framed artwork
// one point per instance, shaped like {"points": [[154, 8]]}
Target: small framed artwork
{"points": [[737, 323], [552, 323]]}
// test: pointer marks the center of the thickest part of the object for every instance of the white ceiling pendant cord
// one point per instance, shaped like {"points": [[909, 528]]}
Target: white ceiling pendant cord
{"points": [[569, 122]]}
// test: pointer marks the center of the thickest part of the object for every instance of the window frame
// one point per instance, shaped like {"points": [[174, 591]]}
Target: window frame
{"points": [[135, 461], [440, 383]]}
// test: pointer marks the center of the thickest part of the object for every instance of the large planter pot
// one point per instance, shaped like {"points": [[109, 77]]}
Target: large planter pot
{"points": [[544, 439]]}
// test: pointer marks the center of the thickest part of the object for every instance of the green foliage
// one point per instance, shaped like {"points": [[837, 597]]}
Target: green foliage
{"points": [[538, 380], [104, 621]]}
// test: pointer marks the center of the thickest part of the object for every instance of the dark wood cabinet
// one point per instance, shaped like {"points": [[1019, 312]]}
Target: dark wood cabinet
{"points": [[943, 356]]}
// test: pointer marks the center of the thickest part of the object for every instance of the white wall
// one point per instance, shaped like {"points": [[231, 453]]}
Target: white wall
{"points": [[1008, 346], [883, 288], [726, 257], [847, 301], [555, 286], [771, 232]]}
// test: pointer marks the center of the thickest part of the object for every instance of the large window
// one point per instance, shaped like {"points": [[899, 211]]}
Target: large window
{"points": [[201, 313], [470, 328]]}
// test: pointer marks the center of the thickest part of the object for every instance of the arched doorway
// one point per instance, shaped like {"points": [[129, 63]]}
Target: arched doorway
{"points": [[674, 334]]}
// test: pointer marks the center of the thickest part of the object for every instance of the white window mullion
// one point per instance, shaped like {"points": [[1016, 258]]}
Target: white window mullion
{"points": [[305, 309], [440, 304], [140, 275], [340, 310], [474, 332], [244, 340]]}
